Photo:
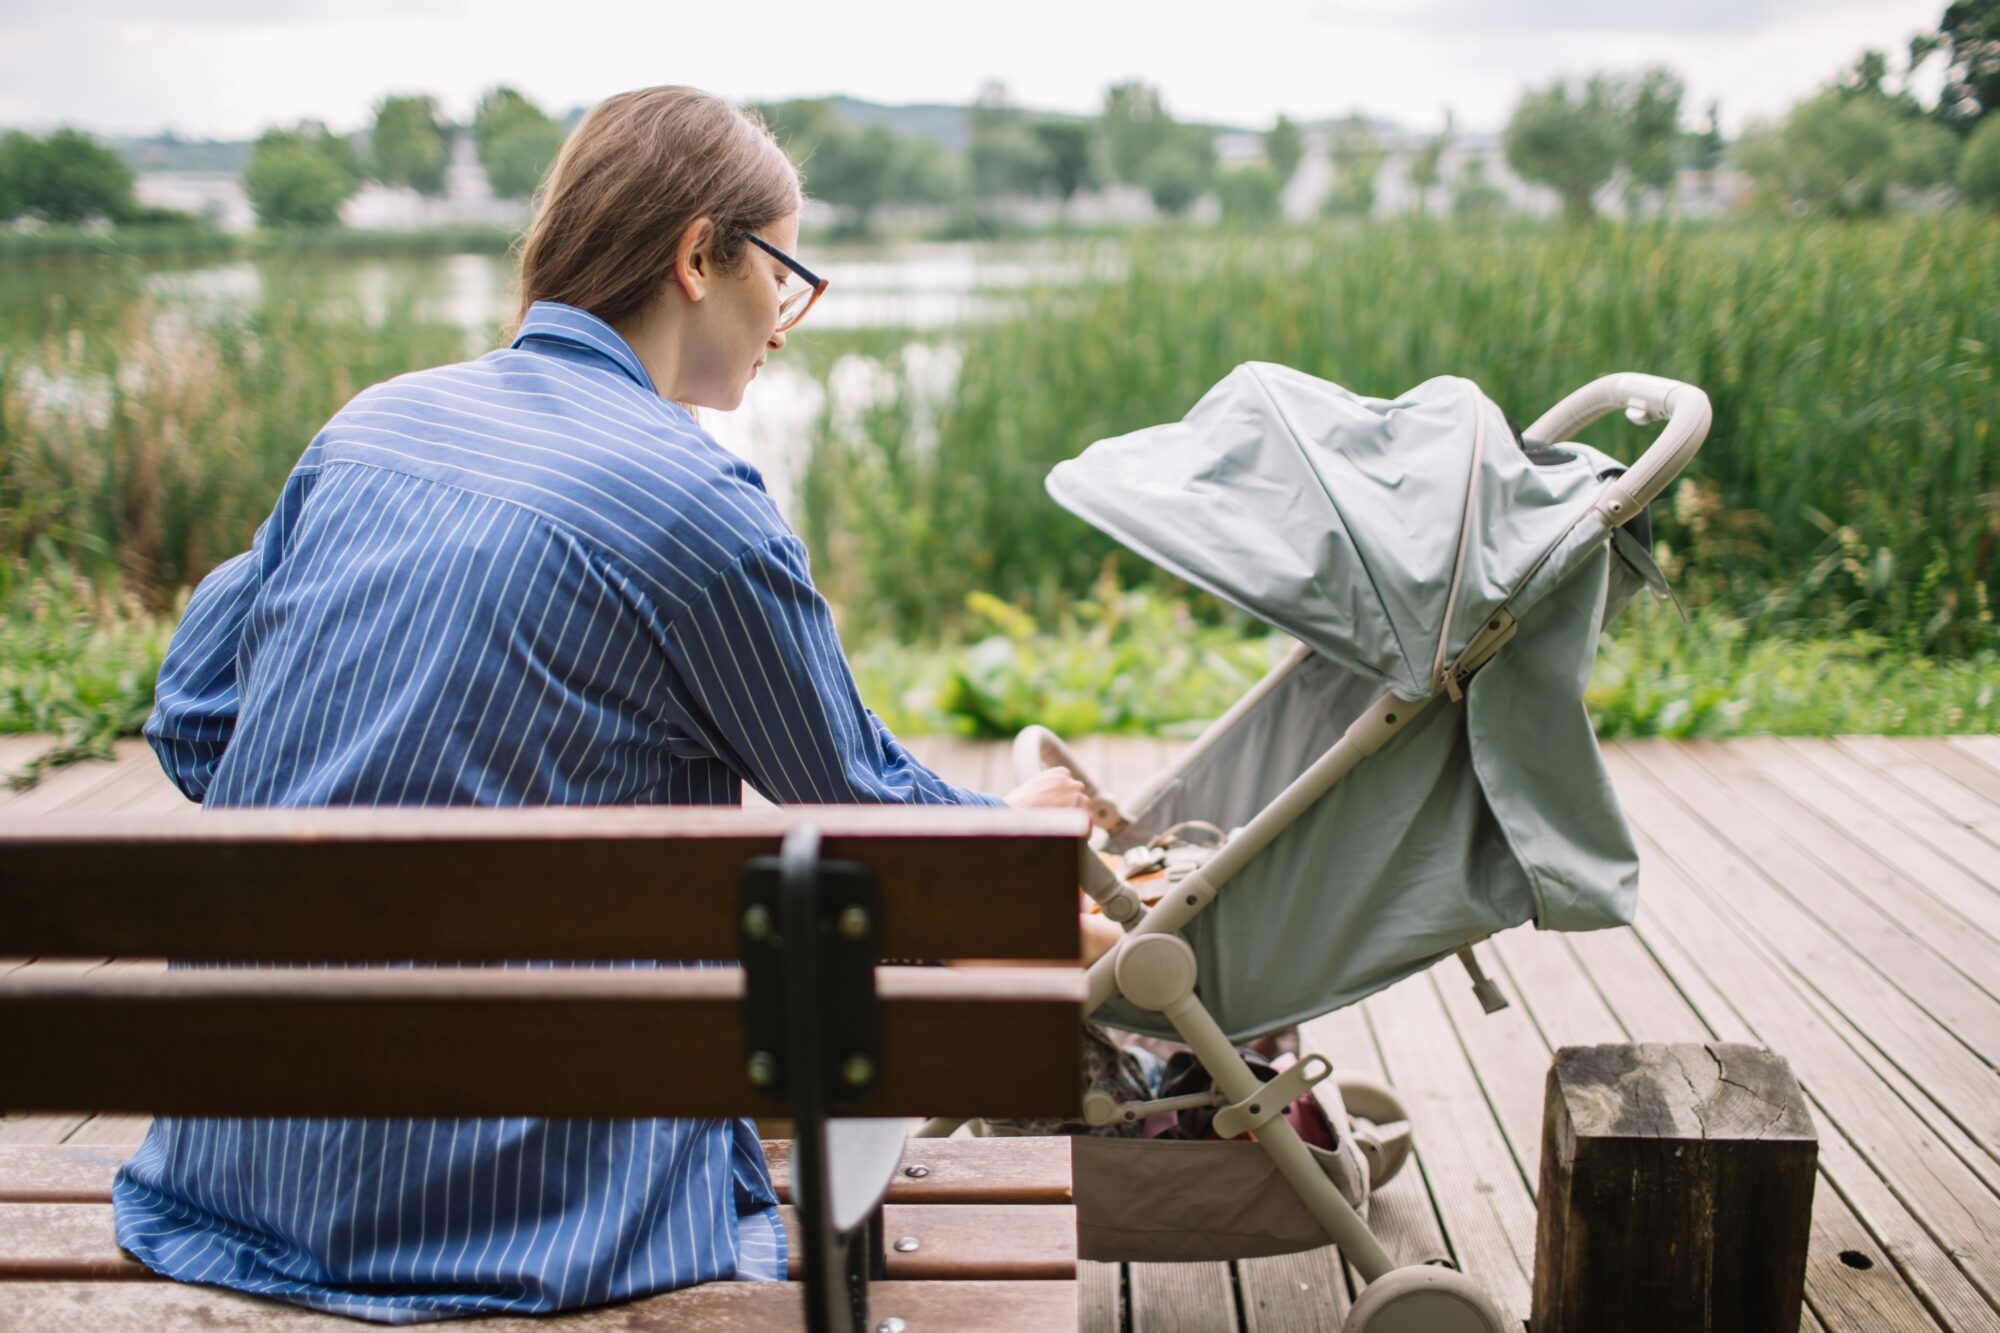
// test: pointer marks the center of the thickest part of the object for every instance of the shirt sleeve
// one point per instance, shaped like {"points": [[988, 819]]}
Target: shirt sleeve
{"points": [[777, 701], [195, 698]]}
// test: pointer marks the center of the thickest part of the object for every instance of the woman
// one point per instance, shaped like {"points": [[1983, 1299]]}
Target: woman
{"points": [[527, 579]]}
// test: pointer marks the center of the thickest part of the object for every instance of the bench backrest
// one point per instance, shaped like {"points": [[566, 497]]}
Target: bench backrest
{"points": [[472, 889]]}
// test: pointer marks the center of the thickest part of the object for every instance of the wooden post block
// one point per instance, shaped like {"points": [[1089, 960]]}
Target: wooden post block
{"points": [[1676, 1191]]}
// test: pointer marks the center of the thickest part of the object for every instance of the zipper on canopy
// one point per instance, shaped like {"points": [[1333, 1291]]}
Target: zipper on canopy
{"points": [[1438, 674]]}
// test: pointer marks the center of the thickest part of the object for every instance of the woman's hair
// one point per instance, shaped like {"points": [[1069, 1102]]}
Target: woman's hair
{"points": [[629, 180]]}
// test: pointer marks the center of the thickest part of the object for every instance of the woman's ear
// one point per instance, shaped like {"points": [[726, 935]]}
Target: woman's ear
{"points": [[694, 262]]}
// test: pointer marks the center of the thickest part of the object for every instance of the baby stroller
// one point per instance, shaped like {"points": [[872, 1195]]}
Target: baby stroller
{"points": [[1397, 789]]}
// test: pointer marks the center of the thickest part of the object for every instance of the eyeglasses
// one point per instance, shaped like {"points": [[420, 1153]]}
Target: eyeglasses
{"points": [[793, 302]]}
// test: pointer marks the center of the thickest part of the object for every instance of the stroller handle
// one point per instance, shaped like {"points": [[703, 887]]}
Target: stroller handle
{"points": [[1683, 407]]}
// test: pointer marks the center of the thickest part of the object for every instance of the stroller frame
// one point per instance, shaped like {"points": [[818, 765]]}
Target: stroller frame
{"points": [[1153, 967]]}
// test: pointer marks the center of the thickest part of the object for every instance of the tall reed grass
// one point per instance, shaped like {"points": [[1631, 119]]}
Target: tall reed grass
{"points": [[151, 449], [1852, 478]]}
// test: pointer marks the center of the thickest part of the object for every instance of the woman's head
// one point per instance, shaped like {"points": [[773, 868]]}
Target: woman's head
{"points": [[642, 222]]}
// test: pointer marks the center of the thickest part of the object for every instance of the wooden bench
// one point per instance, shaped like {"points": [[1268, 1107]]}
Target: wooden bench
{"points": [[822, 1034]]}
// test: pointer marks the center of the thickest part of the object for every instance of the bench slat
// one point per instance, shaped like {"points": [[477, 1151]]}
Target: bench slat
{"points": [[448, 1042], [483, 885], [1028, 1170], [76, 1242], [716, 1307], [1025, 1170]]}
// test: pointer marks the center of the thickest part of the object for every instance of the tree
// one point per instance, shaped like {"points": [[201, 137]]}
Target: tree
{"points": [[1705, 149], [1979, 165], [860, 169], [1070, 147], [1357, 160], [1868, 73], [1136, 126], [516, 140], [300, 178], [1173, 176], [925, 173], [1427, 164], [1250, 194], [1970, 36], [19, 159], [1570, 143], [410, 145], [67, 178], [1284, 148], [1005, 157], [1841, 152], [1650, 112]]}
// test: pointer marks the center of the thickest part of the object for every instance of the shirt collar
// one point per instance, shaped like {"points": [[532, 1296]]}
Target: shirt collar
{"points": [[552, 321]]}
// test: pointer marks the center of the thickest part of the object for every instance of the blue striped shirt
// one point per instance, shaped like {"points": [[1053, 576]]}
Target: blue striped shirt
{"points": [[526, 579]]}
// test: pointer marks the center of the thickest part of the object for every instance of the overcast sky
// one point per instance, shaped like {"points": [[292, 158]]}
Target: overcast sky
{"points": [[228, 68]]}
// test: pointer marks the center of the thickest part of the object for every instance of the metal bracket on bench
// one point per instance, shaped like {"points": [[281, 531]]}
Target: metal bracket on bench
{"points": [[1270, 1101], [807, 940]]}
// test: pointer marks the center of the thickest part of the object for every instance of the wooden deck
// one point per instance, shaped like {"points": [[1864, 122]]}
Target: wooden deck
{"points": [[1838, 901]]}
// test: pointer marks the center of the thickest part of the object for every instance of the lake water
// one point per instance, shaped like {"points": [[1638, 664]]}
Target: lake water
{"points": [[924, 291]]}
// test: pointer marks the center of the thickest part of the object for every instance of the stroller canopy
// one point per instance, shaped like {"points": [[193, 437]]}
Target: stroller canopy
{"points": [[1381, 532]]}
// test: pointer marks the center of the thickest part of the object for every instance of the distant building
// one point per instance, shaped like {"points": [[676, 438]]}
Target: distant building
{"points": [[467, 200], [214, 195]]}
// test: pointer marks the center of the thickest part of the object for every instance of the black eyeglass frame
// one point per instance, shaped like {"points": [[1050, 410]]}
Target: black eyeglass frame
{"points": [[806, 275]]}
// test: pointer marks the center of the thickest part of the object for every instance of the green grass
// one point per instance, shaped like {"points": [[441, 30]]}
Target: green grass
{"points": [[76, 661], [1135, 661], [153, 448], [1851, 481], [79, 660]]}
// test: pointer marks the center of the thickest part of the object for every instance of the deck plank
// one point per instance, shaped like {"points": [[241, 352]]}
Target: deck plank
{"points": [[18, 749], [1919, 1167], [1507, 1052], [1100, 1304], [139, 778], [1182, 1298], [1956, 1080], [1919, 768], [1969, 851], [68, 786], [1293, 1293], [1487, 1209], [1984, 749], [1871, 879], [1945, 757], [1813, 891], [1922, 866]]}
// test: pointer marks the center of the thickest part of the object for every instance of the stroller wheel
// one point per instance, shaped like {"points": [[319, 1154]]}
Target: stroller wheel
{"points": [[1383, 1133], [1424, 1299]]}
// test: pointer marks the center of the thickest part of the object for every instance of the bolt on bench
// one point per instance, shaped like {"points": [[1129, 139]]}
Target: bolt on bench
{"points": [[885, 1235]]}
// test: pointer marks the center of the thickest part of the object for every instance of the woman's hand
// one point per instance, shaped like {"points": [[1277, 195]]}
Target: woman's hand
{"points": [[1050, 789], [1100, 935]]}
